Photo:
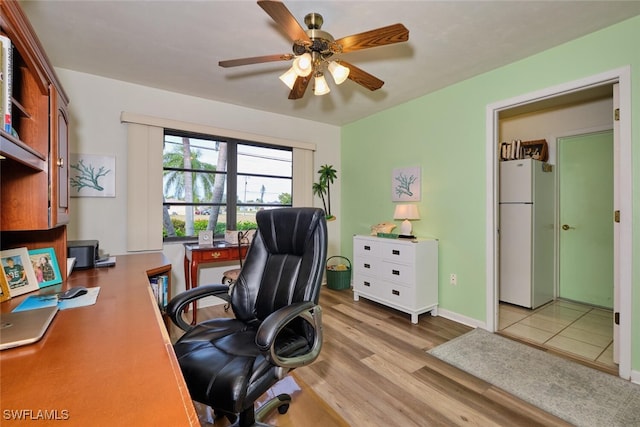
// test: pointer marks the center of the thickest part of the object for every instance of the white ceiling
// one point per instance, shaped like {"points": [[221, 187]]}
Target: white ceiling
{"points": [[176, 45]]}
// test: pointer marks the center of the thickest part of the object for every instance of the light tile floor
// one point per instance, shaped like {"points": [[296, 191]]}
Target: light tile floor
{"points": [[570, 327]]}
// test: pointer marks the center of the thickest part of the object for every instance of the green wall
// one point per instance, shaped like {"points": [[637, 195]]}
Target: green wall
{"points": [[445, 134]]}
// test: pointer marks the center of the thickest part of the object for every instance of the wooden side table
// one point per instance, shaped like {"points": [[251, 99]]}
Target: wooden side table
{"points": [[194, 255]]}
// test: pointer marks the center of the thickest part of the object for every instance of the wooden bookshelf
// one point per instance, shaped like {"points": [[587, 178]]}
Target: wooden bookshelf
{"points": [[34, 175]]}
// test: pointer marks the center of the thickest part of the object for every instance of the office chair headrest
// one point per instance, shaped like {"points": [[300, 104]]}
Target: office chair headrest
{"points": [[279, 228]]}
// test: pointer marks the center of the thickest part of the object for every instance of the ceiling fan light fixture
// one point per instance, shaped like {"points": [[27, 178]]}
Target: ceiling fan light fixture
{"points": [[289, 78], [320, 87], [303, 65], [338, 72]]}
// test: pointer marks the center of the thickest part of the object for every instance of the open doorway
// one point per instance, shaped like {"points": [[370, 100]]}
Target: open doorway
{"points": [[570, 284], [549, 99]]}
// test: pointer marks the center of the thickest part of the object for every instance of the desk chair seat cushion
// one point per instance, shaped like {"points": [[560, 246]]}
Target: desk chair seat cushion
{"points": [[232, 371]]}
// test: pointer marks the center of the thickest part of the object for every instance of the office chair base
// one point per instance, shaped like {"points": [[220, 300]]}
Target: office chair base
{"points": [[281, 402], [252, 419]]}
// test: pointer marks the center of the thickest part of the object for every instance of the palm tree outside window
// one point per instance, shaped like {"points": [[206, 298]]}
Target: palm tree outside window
{"points": [[218, 184]]}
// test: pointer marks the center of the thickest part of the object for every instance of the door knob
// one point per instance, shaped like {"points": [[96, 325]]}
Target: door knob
{"points": [[567, 227]]}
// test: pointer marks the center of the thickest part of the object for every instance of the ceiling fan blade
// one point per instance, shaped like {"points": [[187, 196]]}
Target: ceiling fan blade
{"points": [[382, 36], [299, 87], [362, 77], [255, 60], [279, 13]]}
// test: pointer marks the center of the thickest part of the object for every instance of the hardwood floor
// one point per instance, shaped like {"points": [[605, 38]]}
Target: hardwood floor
{"points": [[374, 370]]}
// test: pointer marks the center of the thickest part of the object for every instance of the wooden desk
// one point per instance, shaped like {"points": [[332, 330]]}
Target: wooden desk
{"points": [[194, 255], [108, 364]]}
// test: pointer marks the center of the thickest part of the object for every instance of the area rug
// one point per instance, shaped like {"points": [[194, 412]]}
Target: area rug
{"points": [[578, 394]]}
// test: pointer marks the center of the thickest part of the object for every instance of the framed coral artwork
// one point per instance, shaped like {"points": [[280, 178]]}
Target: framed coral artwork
{"points": [[405, 184], [92, 175]]}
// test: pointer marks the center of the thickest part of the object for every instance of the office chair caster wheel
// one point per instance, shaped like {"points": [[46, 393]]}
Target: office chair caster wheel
{"points": [[282, 409]]}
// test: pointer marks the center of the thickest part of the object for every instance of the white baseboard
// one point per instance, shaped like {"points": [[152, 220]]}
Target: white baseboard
{"points": [[474, 323], [635, 377]]}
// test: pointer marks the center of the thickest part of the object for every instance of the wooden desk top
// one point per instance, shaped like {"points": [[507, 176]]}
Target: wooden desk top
{"points": [[107, 364]]}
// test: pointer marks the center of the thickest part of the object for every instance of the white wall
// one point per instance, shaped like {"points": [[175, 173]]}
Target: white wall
{"points": [[95, 128]]}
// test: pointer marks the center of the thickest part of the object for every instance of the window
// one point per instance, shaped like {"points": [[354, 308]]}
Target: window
{"points": [[216, 183], [145, 136]]}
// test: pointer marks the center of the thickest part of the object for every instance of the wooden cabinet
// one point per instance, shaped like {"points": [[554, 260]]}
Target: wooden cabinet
{"points": [[59, 159], [402, 274], [34, 179]]}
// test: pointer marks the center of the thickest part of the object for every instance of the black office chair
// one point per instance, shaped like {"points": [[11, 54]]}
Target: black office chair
{"points": [[228, 363]]}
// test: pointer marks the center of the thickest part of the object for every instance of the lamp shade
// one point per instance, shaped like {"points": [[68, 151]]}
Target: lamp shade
{"points": [[302, 65], [321, 87], [406, 212], [338, 72], [289, 77]]}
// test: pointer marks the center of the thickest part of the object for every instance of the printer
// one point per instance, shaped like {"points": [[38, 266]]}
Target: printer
{"points": [[86, 253]]}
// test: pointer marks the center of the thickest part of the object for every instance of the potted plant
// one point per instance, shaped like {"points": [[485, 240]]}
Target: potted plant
{"points": [[323, 186]]}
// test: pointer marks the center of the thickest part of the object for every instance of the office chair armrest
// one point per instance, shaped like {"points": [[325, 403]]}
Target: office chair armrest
{"points": [[276, 321], [179, 303]]}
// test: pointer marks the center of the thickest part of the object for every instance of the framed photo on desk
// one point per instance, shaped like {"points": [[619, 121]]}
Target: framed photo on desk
{"points": [[4, 288], [17, 268], [45, 267]]}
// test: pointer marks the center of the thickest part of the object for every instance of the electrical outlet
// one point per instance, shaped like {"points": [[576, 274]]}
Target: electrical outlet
{"points": [[453, 279]]}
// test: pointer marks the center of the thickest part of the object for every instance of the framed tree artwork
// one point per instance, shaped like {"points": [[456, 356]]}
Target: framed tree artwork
{"points": [[92, 175], [405, 184]]}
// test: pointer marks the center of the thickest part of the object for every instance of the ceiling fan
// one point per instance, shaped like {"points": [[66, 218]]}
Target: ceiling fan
{"points": [[313, 50]]}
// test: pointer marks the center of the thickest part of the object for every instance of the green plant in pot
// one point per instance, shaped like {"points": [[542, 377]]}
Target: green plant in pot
{"points": [[323, 187]]}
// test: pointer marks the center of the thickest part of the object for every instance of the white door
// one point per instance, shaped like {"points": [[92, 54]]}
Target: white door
{"points": [[585, 165]]}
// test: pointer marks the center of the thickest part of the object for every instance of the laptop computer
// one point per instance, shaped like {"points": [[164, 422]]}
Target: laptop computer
{"points": [[24, 327]]}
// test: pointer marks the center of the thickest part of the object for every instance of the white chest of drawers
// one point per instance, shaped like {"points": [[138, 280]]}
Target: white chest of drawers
{"points": [[402, 274]]}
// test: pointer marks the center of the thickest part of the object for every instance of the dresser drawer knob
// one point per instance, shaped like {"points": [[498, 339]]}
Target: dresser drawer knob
{"points": [[395, 292], [367, 247], [395, 272], [367, 266], [367, 284], [395, 252]]}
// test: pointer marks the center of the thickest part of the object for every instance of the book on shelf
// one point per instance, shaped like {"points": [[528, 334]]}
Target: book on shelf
{"points": [[7, 79], [160, 288], [511, 150]]}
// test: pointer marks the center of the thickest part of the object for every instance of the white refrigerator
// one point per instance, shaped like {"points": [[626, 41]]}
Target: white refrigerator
{"points": [[527, 249]]}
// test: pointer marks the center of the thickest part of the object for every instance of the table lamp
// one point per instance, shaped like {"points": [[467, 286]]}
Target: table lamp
{"points": [[406, 213]]}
